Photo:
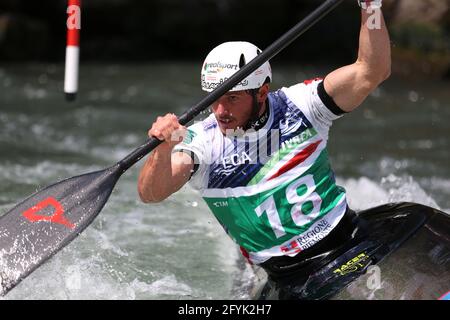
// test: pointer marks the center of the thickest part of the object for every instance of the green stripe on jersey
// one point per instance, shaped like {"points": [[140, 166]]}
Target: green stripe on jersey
{"points": [[285, 148]]}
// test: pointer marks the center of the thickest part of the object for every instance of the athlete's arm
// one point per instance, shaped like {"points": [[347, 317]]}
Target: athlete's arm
{"points": [[349, 86], [164, 172]]}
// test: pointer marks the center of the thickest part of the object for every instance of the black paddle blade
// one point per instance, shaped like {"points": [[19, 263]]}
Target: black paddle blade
{"points": [[48, 220]]}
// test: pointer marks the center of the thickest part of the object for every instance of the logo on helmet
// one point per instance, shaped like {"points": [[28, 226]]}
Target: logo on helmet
{"points": [[213, 85], [219, 66]]}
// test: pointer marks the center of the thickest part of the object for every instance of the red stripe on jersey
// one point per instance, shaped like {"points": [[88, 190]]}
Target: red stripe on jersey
{"points": [[297, 159]]}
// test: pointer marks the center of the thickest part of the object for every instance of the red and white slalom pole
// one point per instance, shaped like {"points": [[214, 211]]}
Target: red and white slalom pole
{"points": [[72, 49]]}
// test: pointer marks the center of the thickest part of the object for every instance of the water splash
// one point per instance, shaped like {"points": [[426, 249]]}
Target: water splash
{"points": [[363, 193]]}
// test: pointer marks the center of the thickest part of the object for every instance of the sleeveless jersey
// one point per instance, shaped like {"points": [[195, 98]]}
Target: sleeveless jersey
{"points": [[272, 190]]}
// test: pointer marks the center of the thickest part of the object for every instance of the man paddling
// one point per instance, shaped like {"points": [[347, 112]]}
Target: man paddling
{"points": [[286, 207]]}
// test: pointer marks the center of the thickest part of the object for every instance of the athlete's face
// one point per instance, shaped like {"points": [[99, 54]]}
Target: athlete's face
{"points": [[234, 109]]}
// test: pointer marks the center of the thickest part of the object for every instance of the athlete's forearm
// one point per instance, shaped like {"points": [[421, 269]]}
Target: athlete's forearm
{"points": [[165, 173], [374, 53], [155, 179], [350, 85]]}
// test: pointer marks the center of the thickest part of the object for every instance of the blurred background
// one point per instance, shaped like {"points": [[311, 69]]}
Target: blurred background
{"points": [[132, 30], [142, 59]]}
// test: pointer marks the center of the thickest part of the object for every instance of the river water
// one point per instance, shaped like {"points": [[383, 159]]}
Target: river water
{"points": [[396, 147]]}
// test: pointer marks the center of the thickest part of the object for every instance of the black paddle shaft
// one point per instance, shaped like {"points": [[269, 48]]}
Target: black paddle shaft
{"points": [[266, 55]]}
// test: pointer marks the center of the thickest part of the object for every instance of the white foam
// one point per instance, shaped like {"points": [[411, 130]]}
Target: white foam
{"points": [[69, 276], [167, 285], [105, 243], [406, 188], [363, 193]]}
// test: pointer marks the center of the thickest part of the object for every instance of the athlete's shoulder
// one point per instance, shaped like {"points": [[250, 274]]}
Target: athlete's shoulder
{"points": [[310, 97], [302, 88]]}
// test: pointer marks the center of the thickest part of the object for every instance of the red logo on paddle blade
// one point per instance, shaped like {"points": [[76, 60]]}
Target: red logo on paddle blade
{"points": [[57, 217]]}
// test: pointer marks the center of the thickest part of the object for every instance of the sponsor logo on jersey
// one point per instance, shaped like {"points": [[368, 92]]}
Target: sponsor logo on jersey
{"points": [[190, 135], [292, 122], [292, 247], [302, 137], [236, 160], [220, 204], [308, 239]]}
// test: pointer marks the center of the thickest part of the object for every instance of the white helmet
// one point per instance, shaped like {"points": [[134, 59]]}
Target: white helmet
{"points": [[226, 59]]}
